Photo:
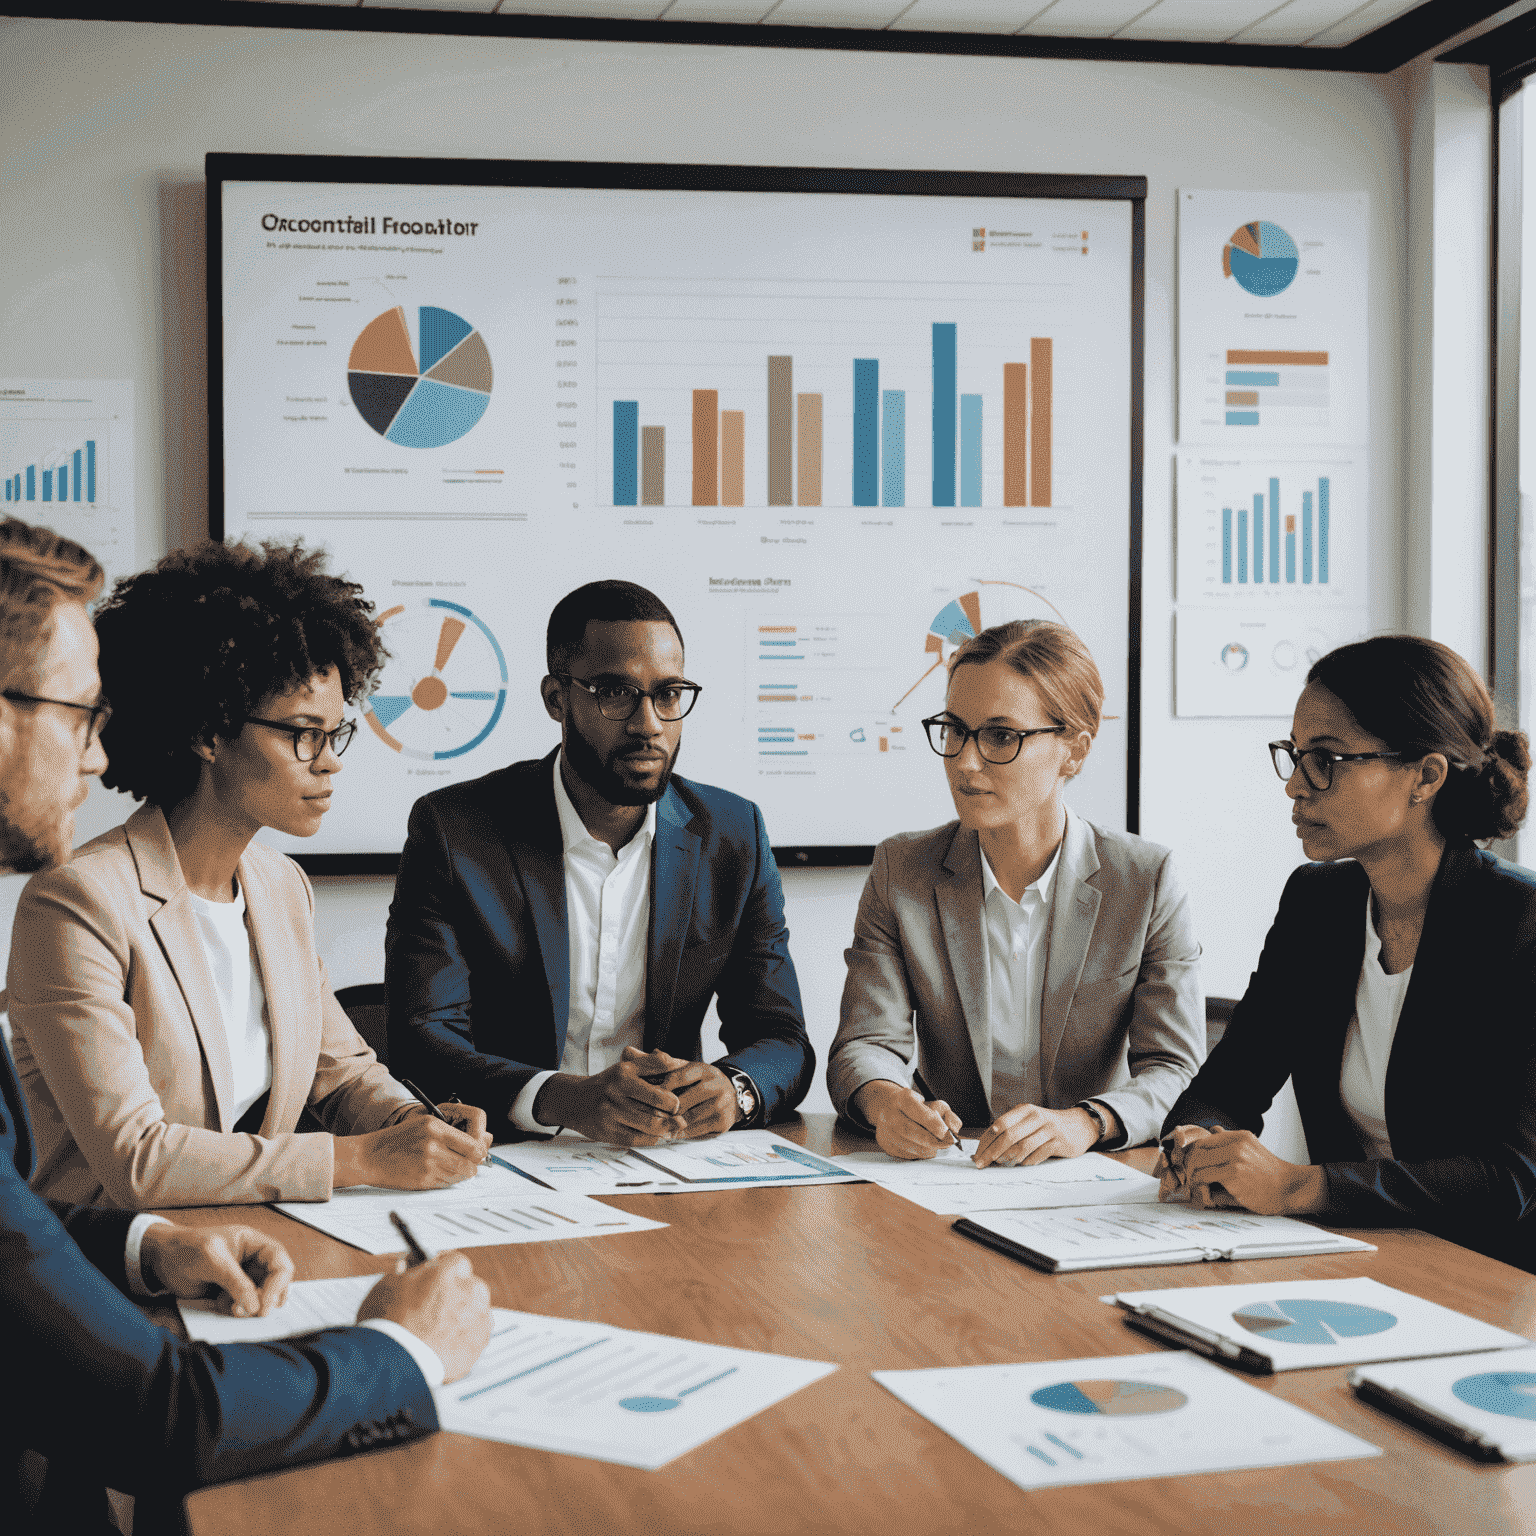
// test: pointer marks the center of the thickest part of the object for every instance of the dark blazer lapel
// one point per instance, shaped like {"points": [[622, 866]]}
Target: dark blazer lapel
{"points": [[537, 853], [175, 928], [1075, 903], [674, 874], [957, 894]]}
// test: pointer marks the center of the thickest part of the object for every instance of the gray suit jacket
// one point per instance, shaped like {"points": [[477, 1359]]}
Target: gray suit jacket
{"points": [[1122, 1019]]}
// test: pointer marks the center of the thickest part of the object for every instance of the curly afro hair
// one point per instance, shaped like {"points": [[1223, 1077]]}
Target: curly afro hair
{"points": [[192, 646]]}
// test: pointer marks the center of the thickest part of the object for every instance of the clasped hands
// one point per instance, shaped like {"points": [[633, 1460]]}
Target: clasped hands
{"points": [[645, 1098], [907, 1126], [1216, 1169]]}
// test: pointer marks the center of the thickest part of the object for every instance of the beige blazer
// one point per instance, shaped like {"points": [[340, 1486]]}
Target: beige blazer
{"points": [[120, 1044], [1122, 1018]]}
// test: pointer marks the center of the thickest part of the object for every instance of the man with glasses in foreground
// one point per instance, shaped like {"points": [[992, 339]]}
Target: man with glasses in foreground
{"points": [[560, 927], [92, 1385]]}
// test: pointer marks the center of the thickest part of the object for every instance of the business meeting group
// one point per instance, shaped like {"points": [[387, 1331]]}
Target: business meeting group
{"points": [[560, 930]]}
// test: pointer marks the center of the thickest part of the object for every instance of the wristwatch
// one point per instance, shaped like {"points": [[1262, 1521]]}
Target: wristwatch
{"points": [[746, 1094], [1097, 1116]]}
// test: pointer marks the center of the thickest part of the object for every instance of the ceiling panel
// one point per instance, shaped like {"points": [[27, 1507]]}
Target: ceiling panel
{"points": [[742, 12], [1299, 21], [433, 5], [1085, 18], [835, 13], [621, 10], [968, 15], [1364, 20], [1195, 21]]}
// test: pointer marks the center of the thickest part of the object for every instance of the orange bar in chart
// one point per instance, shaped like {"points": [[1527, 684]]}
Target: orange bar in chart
{"points": [[808, 424], [706, 447], [1015, 434], [733, 460], [1040, 422], [885, 745], [970, 606], [653, 466], [1242, 397], [1280, 359], [780, 431]]}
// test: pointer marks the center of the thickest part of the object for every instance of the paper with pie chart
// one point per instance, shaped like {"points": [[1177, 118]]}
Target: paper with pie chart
{"points": [[1273, 293], [1116, 1418], [1488, 1399], [611, 1394], [1300, 1324]]}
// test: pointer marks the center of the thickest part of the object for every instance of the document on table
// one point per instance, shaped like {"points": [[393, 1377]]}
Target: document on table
{"points": [[950, 1184], [730, 1160], [1484, 1405], [638, 1399], [1122, 1236], [1291, 1325], [1108, 1420], [478, 1213], [311, 1304]]}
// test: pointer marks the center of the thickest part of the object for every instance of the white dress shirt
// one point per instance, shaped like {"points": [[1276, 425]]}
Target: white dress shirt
{"points": [[242, 1001], [1368, 1044], [607, 915], [1016, 934]]}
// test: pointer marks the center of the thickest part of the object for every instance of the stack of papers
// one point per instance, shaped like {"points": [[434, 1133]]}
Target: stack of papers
{"points": [[1293, 1325], [1124, 1236], [732, 1160], [950, 1184], [496, 1206], [1108, 1420], [1484, 1405]]}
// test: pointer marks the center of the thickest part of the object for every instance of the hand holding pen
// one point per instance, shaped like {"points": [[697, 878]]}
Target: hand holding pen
{"points": [[469, 1118], [1171, 1159]]}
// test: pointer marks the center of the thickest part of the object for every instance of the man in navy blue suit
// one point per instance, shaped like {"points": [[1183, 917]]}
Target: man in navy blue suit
{"points": [[107, 1398], [560, 926]]}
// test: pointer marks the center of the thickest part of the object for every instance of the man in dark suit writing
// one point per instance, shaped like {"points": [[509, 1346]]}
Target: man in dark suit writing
{"points": [[106, 1397], [560, 926]]}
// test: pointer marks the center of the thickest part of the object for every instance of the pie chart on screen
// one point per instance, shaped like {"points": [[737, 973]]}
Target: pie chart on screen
{"points": [[421, 392], [1262, 257]]}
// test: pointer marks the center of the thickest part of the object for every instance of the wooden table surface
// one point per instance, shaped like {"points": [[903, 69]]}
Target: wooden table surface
{"points": [[856, 1275]]}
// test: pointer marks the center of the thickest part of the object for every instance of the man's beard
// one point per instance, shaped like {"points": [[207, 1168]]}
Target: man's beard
{"points": [[21, 851], [597, 775]]}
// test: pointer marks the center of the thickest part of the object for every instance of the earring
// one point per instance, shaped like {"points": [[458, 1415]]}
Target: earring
{"points": [[1414, 799]]}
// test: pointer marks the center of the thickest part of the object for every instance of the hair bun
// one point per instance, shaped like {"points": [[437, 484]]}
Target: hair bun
{"points": [[1514, 747]]}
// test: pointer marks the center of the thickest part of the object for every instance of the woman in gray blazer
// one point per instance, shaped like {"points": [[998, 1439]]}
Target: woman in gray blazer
{"points": [[1042, 970]]}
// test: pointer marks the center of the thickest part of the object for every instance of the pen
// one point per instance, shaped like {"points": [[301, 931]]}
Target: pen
{"points": [[432, 1109], [419, 1255]]}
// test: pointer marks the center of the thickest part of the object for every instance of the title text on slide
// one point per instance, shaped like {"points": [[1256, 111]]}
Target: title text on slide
{"points": [[368, 226]]}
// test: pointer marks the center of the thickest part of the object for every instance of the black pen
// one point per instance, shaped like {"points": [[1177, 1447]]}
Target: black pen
{"points": [[419, 1255], [433, 1110]]}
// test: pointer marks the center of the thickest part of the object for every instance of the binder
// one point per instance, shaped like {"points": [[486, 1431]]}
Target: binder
{"points": [[1481, 1405]]}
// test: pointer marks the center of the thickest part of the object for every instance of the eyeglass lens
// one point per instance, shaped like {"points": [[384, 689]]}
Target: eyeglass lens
{"points": [[620, 701], [309, 744]]}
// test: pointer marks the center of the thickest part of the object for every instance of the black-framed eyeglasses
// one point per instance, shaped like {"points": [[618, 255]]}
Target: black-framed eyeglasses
{"points": [[618, 701], [1316, 763], [100, 712], [309, 740], [996, 743]]}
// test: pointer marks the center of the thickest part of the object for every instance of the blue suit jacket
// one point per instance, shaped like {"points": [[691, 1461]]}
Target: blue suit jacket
{"points": [[478, 964], [1461, 1079], [98, 1389]]}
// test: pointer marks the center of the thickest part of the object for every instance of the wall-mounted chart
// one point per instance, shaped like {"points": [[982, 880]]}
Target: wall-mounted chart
{"points": [[1261, 257], [423, 398]]}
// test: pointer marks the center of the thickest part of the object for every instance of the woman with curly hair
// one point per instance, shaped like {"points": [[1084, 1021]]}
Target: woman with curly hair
{"points": [[172, 1019], [1397, 984]]}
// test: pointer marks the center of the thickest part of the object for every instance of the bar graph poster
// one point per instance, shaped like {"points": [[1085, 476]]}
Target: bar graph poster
{"points": [[1272, 318], [837, 431], [66, 462]]}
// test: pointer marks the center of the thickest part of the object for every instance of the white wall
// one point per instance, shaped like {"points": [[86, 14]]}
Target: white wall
{"points": [[105, 125]]}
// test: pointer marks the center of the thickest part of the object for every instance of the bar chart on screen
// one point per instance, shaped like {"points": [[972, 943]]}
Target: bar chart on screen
{"points": [[836, 394]]}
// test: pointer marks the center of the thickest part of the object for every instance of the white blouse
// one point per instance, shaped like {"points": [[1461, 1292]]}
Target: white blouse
{"points": [[1368, 1044], [242, 1001]]}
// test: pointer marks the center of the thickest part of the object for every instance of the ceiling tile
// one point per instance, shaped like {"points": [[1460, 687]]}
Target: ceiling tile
{"points": [[619, 10], [835, 13], [1298, 22], [1364, 20], [1085, 18], [1195, 21], [740, 11], [432, 5], [1002, 16]]}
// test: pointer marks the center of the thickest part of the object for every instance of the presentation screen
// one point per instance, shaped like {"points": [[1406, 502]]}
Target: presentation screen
{"points": [[838, 421]]}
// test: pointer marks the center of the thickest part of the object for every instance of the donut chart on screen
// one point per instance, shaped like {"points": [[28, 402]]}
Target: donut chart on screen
{"points": [[422, 395]]}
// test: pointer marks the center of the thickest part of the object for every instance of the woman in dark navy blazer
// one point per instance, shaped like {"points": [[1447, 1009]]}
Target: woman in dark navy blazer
{"points": [[1397, 987]]}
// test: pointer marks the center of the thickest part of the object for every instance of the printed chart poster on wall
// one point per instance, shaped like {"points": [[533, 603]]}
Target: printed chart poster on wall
{"points": [[1272, 318], [838, 421]]}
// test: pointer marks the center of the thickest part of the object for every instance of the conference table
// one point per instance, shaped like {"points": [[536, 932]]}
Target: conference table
{"points": [[856, 1275]]}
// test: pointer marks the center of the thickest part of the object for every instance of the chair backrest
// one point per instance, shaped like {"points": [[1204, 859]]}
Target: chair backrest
{"points": [[1218, 1014], [365, 1005]]}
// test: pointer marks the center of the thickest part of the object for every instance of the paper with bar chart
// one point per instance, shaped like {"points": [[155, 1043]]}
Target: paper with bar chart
{"points": [[66, 462], [1273, 291], [837, 434], [638, 1399], [1113, 1418]]}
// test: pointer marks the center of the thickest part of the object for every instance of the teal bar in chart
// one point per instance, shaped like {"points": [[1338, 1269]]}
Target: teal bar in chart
{"points": [[1274, 530], [1322, 529], [944, 378], [47, 485], [866, 431], [1306, 536], [1226, 546], [1258, 539], [893, 448], [1242, 544], [31, 482], [90, 469], [76, 481], [970, 450], [626, 453], [1290, 554]]}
